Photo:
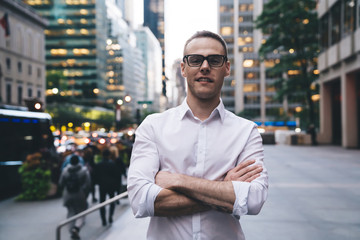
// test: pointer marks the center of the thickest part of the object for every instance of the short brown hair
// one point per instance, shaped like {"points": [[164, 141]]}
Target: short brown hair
{"points": [[207, 34]]}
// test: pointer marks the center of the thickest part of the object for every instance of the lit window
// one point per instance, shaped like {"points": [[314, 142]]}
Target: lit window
{"points": [[84, 31], [226, 31], [241, 41], [248, 63], [59, 51], [81, 51], [70, 31], [84, 11], [251, 88]]}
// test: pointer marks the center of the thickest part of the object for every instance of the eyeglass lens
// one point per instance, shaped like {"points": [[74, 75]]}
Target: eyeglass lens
{"points": [[213, 60]]}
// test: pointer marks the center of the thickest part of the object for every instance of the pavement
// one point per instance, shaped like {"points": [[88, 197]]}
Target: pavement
{"points": [[314, 194]]}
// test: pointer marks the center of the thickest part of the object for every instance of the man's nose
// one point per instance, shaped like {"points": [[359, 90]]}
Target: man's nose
{"points": [[205, 66]]}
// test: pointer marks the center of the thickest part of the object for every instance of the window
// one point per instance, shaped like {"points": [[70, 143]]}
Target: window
{"points": [[29, 92], [20, 90], [249, 99], [226, 31], [251, 87], [324, 32], [39, 94], [335, 23], [19, 67], [8, 64], [8, 93], [30, 69], [226, 8], [39, 73], [251, 75], [349, 16]]}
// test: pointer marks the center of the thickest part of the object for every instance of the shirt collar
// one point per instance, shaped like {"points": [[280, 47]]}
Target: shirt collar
{"points": [[184, 109]]}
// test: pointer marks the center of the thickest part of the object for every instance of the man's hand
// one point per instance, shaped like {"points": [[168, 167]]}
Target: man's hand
{"points": [[244, 172]]}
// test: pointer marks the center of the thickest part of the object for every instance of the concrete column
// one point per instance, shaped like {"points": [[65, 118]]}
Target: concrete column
{"points": [[325, 134], [349, 111]]}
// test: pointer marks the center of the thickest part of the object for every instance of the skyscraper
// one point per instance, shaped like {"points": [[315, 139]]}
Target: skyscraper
{"points": [[154, 19], [249, 88], [75, 50]]}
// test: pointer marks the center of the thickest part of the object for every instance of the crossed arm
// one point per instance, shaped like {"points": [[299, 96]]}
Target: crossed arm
{"points": [[183, 195]]}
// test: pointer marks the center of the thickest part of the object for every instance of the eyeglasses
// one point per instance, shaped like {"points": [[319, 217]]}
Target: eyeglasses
{"points": [[195, 60]]}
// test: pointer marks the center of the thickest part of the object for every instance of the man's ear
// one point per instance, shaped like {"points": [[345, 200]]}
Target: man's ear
{"points": [[182, 66], [228, 67]]}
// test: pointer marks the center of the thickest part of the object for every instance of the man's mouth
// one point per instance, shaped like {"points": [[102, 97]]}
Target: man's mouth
{"points": [[203, 80]]}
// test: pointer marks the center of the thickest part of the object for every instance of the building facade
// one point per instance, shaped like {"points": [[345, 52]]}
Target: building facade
{"points": [[249, 89], [154, 19], [339, 66], [75, 50], [152, 56], [125, 76], [22, 55], [176, 85]]}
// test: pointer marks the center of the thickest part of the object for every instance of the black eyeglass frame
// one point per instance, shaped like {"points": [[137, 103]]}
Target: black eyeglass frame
{"points": [[205, 58]]}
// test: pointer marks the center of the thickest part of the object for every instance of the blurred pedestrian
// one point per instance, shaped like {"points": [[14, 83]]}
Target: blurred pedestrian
{"points": [[74, 151], [75, 180], [88, 155], [121, 169], [106, 176]]}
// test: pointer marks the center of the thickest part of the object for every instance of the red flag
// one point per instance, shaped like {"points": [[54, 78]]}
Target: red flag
{"points": [[4, 22]]}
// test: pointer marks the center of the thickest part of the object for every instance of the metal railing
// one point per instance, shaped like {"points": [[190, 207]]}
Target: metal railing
{"points": [[86, 212]]}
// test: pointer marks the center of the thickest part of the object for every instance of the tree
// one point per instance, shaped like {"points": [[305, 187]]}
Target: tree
{"points": [[291, 27]]}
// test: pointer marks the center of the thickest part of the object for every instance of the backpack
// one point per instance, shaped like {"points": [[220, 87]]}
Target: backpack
{"points": [[73, 183]]}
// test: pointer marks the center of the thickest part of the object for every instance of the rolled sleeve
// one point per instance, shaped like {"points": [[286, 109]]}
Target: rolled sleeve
{"points": [[250, 197], [241, 190], [145, 208]]}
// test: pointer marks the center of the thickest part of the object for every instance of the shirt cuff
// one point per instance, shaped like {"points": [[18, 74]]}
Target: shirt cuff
{"points": [[146, 206], [241, 190]]}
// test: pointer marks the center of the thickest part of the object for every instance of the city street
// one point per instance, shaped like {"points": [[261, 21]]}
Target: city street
{"points": [[314, 194]]}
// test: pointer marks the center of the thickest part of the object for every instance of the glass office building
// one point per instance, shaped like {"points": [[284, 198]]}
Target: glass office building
{"points": [[249, 88], [75, 49]]}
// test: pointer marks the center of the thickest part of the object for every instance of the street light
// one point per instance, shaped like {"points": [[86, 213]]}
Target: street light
{"points": [[127, 98]]}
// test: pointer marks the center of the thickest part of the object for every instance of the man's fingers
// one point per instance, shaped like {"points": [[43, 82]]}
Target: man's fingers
{"points": [[251, 174], [252, 178], [243, 165]]}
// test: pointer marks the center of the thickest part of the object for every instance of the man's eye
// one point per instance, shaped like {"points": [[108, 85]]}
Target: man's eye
{"points": [[215, 60], [195, 60]]}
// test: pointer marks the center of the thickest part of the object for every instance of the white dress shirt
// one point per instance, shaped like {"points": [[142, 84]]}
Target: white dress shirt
{"points": [[178, 142]]}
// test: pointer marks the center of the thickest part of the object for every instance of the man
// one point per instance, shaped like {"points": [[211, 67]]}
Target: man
{"points": [[106, 176], [195, 169], [75, 179]]}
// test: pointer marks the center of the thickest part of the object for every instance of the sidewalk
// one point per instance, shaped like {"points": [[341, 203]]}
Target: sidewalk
{"points": [[314, 194], [38, 220]]}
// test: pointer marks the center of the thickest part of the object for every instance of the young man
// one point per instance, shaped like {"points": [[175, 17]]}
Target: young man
{"points": [[195, 169]]}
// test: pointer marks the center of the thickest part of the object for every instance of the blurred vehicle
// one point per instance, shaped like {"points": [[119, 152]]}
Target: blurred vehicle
{"points": [[21, 133]]}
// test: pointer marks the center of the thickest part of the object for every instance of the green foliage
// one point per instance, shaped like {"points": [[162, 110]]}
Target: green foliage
{"points": [[291, 27], [62, 114], [55, 79], [35, 178]]}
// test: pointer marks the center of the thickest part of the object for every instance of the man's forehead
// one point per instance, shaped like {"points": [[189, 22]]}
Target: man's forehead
{"points": [[204, 43]]}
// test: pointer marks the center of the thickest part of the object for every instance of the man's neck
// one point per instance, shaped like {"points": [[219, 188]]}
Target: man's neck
{"points": [[202, 108]]}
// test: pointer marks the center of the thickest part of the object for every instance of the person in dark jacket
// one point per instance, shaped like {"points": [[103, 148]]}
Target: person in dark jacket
{"points": [[75, 180], [106, 175]]}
